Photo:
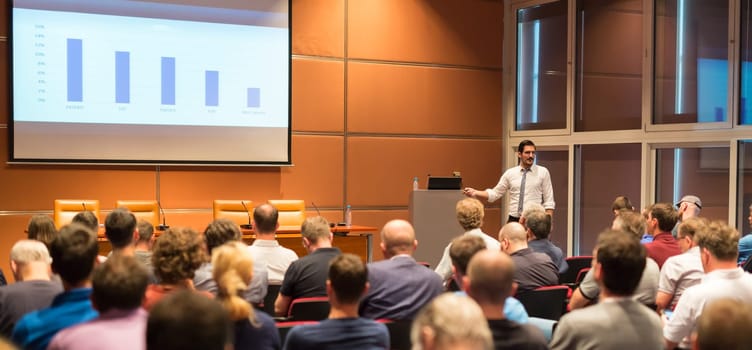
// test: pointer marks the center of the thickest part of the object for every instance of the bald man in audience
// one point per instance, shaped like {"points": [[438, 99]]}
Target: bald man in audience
{"points": [[489, 282], [399, 285], [725, 324], [618, 321], [719, 247], [470, 213], [33, 290], [266, 250], [534, 269]]}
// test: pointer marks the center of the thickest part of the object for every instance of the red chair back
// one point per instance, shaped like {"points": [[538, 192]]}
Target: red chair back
{"points": [[309, 309], [545, 302], [576, 263]]}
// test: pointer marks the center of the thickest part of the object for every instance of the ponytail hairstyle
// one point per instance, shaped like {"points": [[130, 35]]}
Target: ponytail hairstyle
{"points": [[232, 269]]}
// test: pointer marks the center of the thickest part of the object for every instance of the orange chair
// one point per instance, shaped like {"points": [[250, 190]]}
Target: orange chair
{"points": [[291, 211], [237, 210], [143, 210], [66, 209]]}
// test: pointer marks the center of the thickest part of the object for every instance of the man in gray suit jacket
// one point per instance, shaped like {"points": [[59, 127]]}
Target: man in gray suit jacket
{"points": [[617, 321], [399, 285]]}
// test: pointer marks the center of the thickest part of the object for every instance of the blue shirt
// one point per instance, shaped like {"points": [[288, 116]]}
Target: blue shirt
{"points": [[646, 238], [513, 309], [339, 333], [745, 248], [35, 330]]}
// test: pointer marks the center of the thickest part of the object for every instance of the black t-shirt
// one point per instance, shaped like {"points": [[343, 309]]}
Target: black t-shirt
{"points": [[306, 277], [21, 298], [265, 337], [512, 335]]}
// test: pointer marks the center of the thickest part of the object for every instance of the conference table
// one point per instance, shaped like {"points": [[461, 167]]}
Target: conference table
{"points": [[352, 239]]}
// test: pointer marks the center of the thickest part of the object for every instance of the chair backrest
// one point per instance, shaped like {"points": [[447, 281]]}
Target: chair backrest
{"points": [[234, 210], [291, 211], [581, 275], [747, 266], [284, 327], [309, 309], [399, 333], [271, 297], [576, 263], [143, 209], [545, 302], [66, 209]]}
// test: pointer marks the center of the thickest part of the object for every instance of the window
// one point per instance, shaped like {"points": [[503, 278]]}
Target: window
{"points": [[744, 189], [557, 163]]}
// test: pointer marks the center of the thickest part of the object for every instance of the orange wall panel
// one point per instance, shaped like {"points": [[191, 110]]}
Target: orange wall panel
{"points": [[5, 86], [197, 188], [317, 171], [318, 27], [318, 95], [423, 100], [438, 31], [380, 170]]}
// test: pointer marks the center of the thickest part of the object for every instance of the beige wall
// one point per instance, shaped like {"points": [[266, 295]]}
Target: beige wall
{"points": [[382, 90]]}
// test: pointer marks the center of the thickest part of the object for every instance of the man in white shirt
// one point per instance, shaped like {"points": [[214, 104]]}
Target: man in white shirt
{"points": [[470, 214], [265, 249], [723, 279], [526, 183], [681, 271]]}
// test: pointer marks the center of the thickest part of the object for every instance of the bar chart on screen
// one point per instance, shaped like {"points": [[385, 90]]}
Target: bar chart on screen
{"points": [[150, 71]]}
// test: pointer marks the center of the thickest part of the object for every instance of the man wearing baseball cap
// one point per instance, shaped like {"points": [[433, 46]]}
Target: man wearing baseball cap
{"points": [[689, 207]]}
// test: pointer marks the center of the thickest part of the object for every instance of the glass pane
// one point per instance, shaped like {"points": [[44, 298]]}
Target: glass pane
{"points": [[691, 61], [745, 102], [744, 192], [609, 65], [542, 67], [603, 172], [557, 163], [703, 172]]}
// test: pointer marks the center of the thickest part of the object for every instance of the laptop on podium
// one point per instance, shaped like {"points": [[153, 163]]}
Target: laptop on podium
{"points": [[444, 182]]}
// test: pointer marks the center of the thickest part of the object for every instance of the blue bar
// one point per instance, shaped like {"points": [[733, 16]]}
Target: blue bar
{"points": [[168, 80], [254, 97], [122, 77], [212, 88], [75, 70]]}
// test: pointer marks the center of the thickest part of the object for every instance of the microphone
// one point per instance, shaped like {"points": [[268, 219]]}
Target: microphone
{"points": [[247, 226], [331, 224], [83, 204], [164, 225]]}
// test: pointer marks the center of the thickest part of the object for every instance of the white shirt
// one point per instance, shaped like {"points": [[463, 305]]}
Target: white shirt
{"points": [[680, 272], [538, 188], [276, 258], [730, 283], [444, 268]]}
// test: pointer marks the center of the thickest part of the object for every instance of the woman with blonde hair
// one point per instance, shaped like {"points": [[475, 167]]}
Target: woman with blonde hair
{"points": [[232, 270]]}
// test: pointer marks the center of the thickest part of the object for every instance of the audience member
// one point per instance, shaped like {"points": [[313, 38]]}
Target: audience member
{"points": [[489, 282], [74, 253], [88, 219], [266, 250], [661, 220], [533, 270], [618, 321], [470, 214], [41, 228], [688, 207], [120, 230], [399, 286], [724, 325], [33, 290], [118, 290], [589, 290], [745, 243], [681, 271], [451, 322], [188, 321], [719, 248], [621, 203], [463, 249], [233, 269], [178, 252], [346, 285], [142, 250], [538, 225], [646, 236], [306, 277], [217, 233]]}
